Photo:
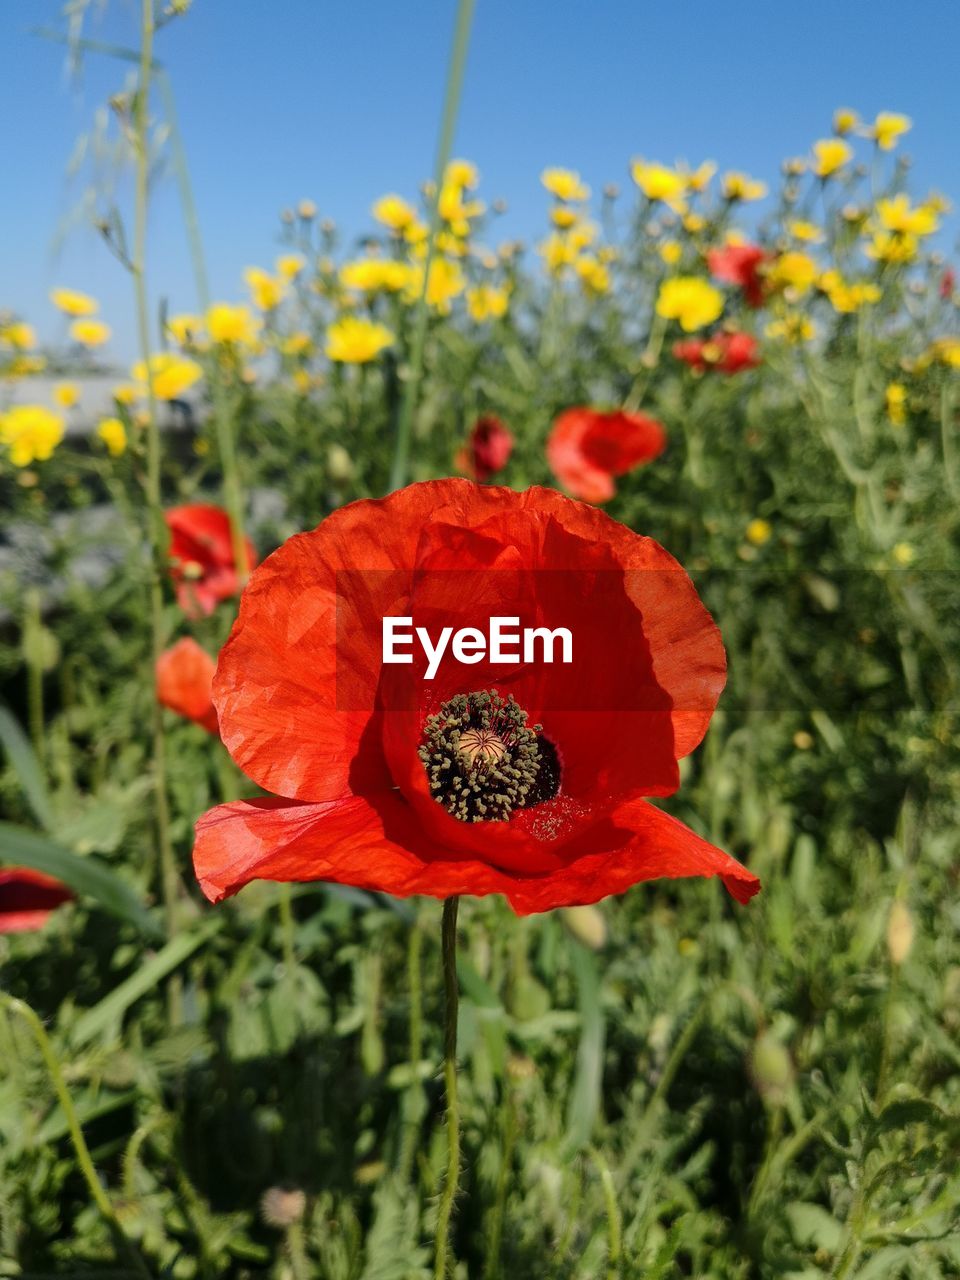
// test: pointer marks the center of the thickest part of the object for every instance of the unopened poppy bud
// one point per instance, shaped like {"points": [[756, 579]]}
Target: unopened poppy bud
{"points": [[587, 925], [287, 216], [520, 1067], [280, 1207], [339, 463], [771, 1068], [900, 932]]}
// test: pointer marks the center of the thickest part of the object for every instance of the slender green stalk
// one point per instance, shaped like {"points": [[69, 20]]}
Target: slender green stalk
{"points": [[33, 657], [288, 927], [84, 1160], [158, 533], [458, 59], [222, 417], [614, 1224], [414, 1103], [491, 1267], [443, 1260]]}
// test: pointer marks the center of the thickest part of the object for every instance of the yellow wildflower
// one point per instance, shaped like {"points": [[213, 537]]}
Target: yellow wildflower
{"points": [[416, 232], [296, 344], [394, 212], [795, 271], [847, 297], [593, 275], [30, 432], [830, 155], [692, 301], [699, 178], [72, 303], [487, 302], [125, 393], [90, 333], [289, 265], [845, 120], [903, 554], [558, 253], [184, 328], [265, 290], [66, 394], [657, 182], [371, 275], [759, 531], [694, 223], [896, 400], [739, 186], [461, 173], [896, 214], [19, 335], [444, 283], [582, 235], [228, 323], [21, 366], [891, 246], [114, 435], [671, 252], [565, 184], [563, 216], [355, 341], [792, 327], [809, 232], [887, 128], [171, 374], [307, 210]]}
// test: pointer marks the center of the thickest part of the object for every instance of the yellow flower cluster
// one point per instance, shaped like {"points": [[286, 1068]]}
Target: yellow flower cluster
{"points": [[30, 433]]}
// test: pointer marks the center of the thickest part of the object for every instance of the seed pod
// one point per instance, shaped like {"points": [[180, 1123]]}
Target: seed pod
{"points": [[587, 924], [900, 932]]}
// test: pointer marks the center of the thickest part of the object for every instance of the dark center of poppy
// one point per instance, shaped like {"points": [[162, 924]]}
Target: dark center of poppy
{"points": [[483, 760]]}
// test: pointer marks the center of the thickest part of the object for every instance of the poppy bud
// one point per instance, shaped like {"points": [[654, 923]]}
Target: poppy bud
{"points": [[282, 1208], [771, 1068], [339, 463], [487, 450], [587, 925], [900, 932]]}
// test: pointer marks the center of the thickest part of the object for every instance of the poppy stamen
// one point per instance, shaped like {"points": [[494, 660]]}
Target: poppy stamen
{"points": [[482, 758]]}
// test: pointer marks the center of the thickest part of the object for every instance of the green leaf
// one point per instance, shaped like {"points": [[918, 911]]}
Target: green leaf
{"points": [[584, 1103], [113, 1006], [26, 766], [812, 1224], [87, 877]]}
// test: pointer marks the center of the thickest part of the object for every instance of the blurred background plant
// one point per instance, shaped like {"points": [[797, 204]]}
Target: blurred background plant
{"points": [[659, 1085]]}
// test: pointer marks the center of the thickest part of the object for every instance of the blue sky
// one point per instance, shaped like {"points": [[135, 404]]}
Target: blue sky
{"points": [[339, 102]]}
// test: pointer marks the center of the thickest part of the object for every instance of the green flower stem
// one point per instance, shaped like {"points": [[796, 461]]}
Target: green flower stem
{"points": [[614, 1224], [443, 1261], [158, 532], [415, 1100], [458, 59], [84, 1160], [33, 657]]}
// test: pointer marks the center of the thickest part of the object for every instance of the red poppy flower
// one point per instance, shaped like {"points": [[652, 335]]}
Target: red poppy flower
{"points": [[522, 777], [185, 683], [727, 352], [202, 563], [27, 898], [587, 448], [487, 450], [948, 282], [740, 264]]}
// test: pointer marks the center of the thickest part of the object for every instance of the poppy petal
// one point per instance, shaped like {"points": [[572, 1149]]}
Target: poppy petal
{"points": [[354, 842]]}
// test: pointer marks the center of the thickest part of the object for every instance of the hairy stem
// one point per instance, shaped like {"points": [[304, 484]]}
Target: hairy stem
{"points": [[443, 1261], [169, 879]]}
